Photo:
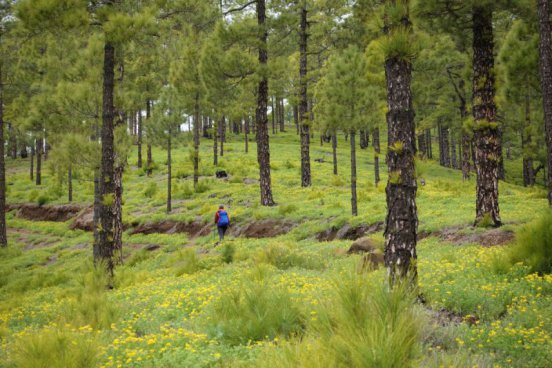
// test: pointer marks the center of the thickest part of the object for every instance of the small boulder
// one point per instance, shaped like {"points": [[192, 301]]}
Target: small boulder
{"points": [[363, 245]]}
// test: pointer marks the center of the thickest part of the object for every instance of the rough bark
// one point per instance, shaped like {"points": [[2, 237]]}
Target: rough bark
{"points": [[377, 151], [401, 221], [429, 144], [12, 139], [105, 242], [3, 232], [296, 118], [422, 146], [197, 122], [354, 209], [486, 140], [31, 171], [261, 118], [303, 100], [444, 149], [334, 152], [215, 142], [38, 176], [363, 139], [118, 212], [453, 160]]}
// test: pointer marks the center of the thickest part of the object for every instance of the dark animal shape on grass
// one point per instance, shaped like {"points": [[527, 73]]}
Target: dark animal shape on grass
{"points": [[221, 174]]}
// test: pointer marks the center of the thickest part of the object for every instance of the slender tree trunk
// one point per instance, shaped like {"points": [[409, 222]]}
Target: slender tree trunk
{"points": [[296, 118], [282, 116], [402, 220], [139, 142], [354, 209], [465, 156], [149, 159], [38, 162], [222, 135], [453, 161], [70, 184], [303, 103], [429, 144], [273, 116], [261, 119], [215, 142], [246, 132], [528, 169], [334, 152], [363, 139], [31, 171], [169, 173], [197, 123], [486, 139], [444, 151], [3, 231], [422, 146], [377, 151], [118, 212], [105, 243], [12, 139]]}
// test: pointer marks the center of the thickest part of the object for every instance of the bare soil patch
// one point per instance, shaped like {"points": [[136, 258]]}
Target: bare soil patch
{"points": [[487, 238], [350, 232], [56, 213], [172, 227], [262, 229]]}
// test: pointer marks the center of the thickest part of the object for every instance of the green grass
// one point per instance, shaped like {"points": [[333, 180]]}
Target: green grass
{"points": [[190, 304]]}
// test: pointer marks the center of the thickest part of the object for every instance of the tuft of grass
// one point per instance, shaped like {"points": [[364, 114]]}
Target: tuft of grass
{"points": [[56, 348], [534, 245], [187, 262], [283, 258], [150, 190], [257, 310], [228, 250]]}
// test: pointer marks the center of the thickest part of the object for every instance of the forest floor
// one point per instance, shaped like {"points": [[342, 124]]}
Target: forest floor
{"points": [[167, 305]]}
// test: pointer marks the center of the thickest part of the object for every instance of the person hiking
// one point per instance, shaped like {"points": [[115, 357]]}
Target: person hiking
{"points": [[222, 221]]}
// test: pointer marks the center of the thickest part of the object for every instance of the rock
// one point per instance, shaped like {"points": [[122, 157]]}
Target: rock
{"points": [[363, 245], [249, 181], [84, 220], [372, 260]]}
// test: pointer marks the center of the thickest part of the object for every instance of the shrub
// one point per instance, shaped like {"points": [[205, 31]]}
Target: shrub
{"points": [[150, 190], [337, 181], [534, 245], [282, 257], [255, 311], [56, 349], [227, 252], [138, 257], [359, 325], [42, 199], [202, 186]]}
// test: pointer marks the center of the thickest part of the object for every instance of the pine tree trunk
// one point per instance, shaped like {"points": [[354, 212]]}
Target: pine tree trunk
{"points": [[334, 152], [70, 184], [486, 139], [31, 171], [273, 116], [363, 139], [377, 150], [453, 161], [222, 135], [303, 103], [528, 169], [354, 209], [12, 139], [139, 141], [422, 147], [402, 221], [246, 132], [282, 116], [465, 156], [429, 144], [197, 123], [444, 151], [3, 230], [215, 142], [296, 118], [38, 178], [149, 159], [118, 212], [105, 243], [261, 119], [169, 173]]}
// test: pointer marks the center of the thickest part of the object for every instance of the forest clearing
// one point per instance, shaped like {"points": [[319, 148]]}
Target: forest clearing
{"points": [[275, 183]]}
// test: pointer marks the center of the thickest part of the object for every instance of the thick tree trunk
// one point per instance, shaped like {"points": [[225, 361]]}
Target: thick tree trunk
{"points": [[139, 141], [118, 212], [38, 177], [197, 123], [149, 159], [261, 119], [105, 243], [486, 139], [3, 231], [303, 102], [354, 209], [70, 184], [402, 220], [169, 173], [334, 152], [545, 66], [377, 151]]}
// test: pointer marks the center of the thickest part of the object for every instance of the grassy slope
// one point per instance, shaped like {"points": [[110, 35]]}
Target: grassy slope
{"points": [[163, 298]]}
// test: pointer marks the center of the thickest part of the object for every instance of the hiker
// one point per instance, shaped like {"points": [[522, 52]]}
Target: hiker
{"points": [[223, 221]]}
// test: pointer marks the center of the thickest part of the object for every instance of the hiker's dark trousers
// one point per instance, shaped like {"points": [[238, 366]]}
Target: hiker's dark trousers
{"points": [[222, 230]]}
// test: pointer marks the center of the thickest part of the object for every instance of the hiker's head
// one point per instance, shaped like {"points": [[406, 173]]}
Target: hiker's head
{"points": [[221, 207]]}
